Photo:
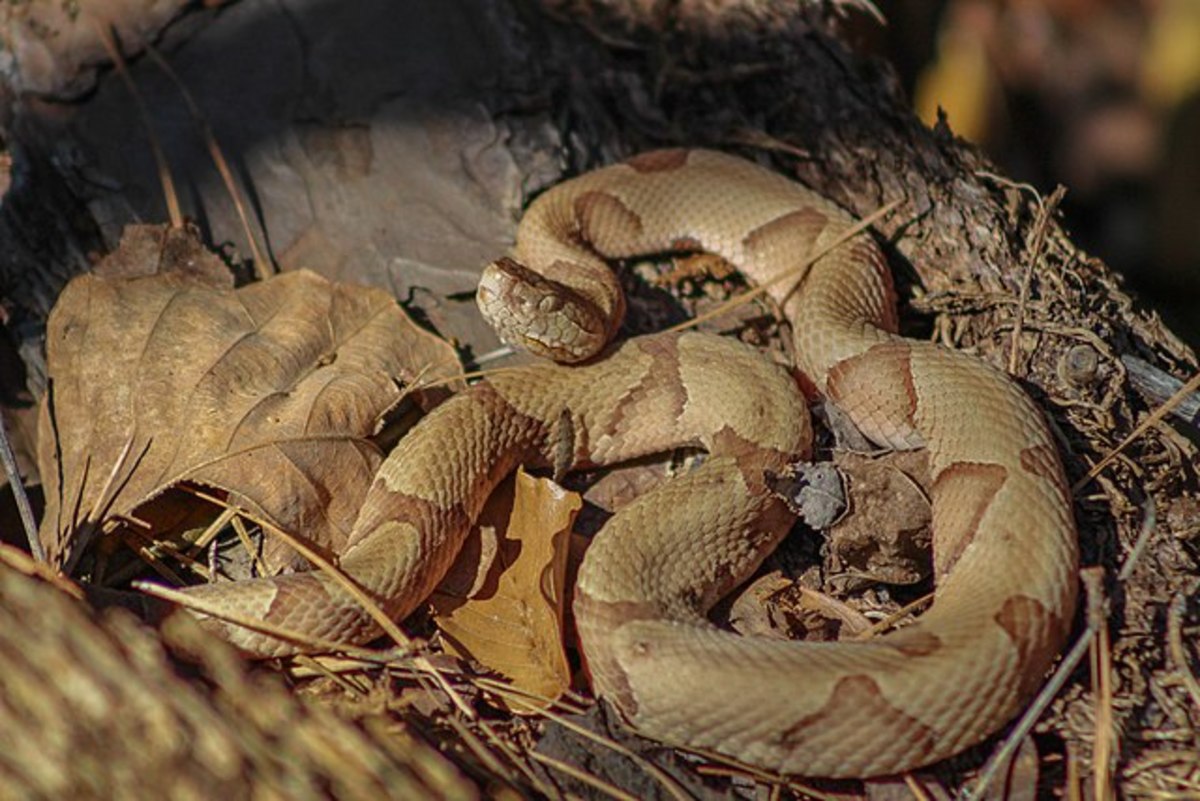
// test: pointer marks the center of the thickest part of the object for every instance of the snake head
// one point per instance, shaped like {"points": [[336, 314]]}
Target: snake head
{"points": [[543, 316]]}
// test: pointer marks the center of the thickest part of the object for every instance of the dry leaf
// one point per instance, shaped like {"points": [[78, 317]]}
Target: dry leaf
{"points": [[162, 373], [512, 620]]}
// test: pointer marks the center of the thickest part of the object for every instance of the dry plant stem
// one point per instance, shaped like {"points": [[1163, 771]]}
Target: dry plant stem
{"points": [[476, 746], [798, 272], [494, 355], [18, 491], [186, 601], [868, 8], [761, 140], [480, 750], [164, 169], [188, 557], [388, 626], [239, 529], [583, 776], [882, 625], [1074, 779], [748, 773], [915, 788], [262, 267], [87, 528], [571, 706], [347, 584], [1178, 652], [151, 558], [1092, 578], [350, 687], [378, 615], [1157, 385], [152, 550], [1149, 521], [1037, 243], [1104, 735], [673, 788], [350, 663], [1157, 415], [227, 515]]}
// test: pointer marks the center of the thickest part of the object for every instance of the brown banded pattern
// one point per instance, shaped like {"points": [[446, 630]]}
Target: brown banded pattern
{"points": [[1003, 539]]}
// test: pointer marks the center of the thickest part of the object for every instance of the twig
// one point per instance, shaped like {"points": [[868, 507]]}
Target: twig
{"points": [[373, 609], [1092, 577], [160, 159], [572, 706], [728, 766], [798, 272], [583, 776], [245, 621], [86, 530], [1037, 243], [673, 788], [724, 766], [1157, 385], [1149, 520], [477, 747], [354, 688], [502, 352], [881, 625], [368, 604], [1155, 416], [1101, 674], [19, 495], [239, 530], [1175, 645], [915, 787], [1074, 780], [262, 267]]}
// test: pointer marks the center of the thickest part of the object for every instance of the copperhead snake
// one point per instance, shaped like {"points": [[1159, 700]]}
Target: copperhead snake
{"points": [[1005, 553]]}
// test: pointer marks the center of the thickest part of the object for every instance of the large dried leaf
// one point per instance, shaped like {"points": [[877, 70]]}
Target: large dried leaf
{"points": [[162, 373], [502, 604]]}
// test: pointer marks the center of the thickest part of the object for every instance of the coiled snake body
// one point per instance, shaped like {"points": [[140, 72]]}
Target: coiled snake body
{"points": [[1004, 540]]}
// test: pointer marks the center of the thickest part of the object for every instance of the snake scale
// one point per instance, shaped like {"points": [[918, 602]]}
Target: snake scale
{"points": [[1004, 542]]}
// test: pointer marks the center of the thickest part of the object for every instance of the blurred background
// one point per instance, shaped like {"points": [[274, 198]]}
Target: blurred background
{"points": [[1102, 96]]}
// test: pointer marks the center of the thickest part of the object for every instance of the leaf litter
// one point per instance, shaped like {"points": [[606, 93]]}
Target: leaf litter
{"points": [[165, 374]]}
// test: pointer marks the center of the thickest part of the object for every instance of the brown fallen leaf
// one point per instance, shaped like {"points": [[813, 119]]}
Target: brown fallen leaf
{"points": [[162, 373], [502, 604]]}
